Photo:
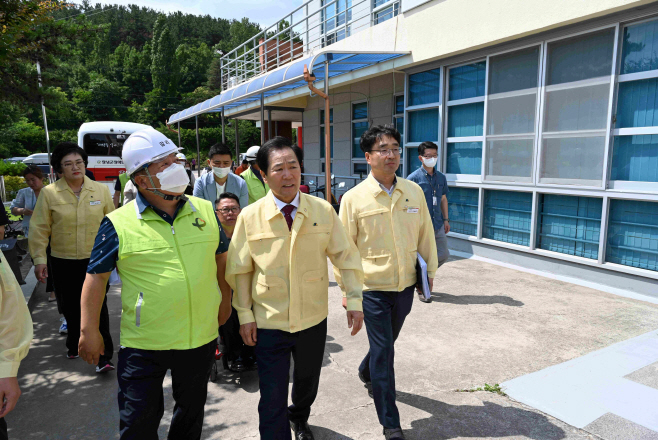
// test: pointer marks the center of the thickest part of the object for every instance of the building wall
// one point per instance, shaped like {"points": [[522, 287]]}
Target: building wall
{"points": [[379, 92]]}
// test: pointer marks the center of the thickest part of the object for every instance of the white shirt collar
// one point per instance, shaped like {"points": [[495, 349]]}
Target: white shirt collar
{"points": [[280, 204]]}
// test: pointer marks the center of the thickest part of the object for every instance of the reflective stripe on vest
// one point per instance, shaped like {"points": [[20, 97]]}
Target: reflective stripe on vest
{"points": [[170, 297]]}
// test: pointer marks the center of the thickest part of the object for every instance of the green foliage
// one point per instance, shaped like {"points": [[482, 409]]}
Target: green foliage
{"points": [[13, 184], [12, 169], [110, 62], [488, 388]]}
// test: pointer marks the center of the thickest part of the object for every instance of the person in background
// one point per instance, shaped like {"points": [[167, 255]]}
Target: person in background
{"points": [[281, 288], [4, 221], [16, 331], [170, 252], [211, 185], [256, 186], [243, 167], [242, 356], [181, 159], [23, 205], [119, 186], [435, 187], [387, 219], [89, 174], [68, 213]]}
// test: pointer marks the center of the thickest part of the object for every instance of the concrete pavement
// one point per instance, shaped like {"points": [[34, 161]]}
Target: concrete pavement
{"points": [[486, 324]]}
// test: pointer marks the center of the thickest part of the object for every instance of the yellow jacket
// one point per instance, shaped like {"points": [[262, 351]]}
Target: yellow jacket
{"points": [[389, 232], [15, 322], [71, 224], [279, 277]]}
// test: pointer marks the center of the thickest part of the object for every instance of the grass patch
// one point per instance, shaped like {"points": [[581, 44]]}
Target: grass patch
{"points": [[488, 388], [12, 217]]}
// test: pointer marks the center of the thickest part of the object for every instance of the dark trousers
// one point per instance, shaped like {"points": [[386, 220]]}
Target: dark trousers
{"points": [[141, 401], [234, 345], [3, 429], [273, 349], [69, 276], [384, 314]]}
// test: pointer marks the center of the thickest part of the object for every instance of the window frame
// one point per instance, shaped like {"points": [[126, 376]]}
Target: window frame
{"points": [[472, 178], [541, 134], [359, 160], [394, 4]]}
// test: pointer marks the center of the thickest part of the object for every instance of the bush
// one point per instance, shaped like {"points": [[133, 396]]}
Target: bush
{"points": [[12, 185], [12, 169]]}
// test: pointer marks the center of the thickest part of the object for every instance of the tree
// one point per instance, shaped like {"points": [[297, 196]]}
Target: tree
{"points": [[163, 67], [193, 62]]}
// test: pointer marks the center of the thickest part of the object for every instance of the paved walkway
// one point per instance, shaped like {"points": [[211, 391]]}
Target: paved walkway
{"points": [[486, 324]]}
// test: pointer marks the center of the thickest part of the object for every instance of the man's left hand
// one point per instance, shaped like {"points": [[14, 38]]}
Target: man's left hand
{"points": [[9, 394], [446, 226], [224, 314], [354, 321], [431, 281]]}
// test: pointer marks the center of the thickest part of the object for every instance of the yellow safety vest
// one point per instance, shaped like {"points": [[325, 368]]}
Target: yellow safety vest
{"points": [[256, 188], [170, 297]]}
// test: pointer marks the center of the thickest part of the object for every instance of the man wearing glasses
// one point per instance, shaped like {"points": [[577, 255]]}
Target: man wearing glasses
{"points": [[388, 220], [434, 185], [241, 357]]}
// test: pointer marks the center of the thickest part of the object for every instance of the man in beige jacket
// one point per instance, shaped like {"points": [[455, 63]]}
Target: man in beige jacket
{"points": [[278, 270], [15, 338]]}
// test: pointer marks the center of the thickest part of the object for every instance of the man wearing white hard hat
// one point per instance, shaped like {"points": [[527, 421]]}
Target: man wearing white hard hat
{"points": [[170, 252], [182, 160], [220, 180], [255, 185]]}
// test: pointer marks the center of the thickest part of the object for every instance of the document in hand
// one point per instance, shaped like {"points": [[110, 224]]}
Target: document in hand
{"points": [[422, 278]]}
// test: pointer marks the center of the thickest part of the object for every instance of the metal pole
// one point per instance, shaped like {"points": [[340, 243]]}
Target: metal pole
{"points": [[327, 136], [237, 141], [45, 124], [198, 151], [262, 119], [223, 126], [269, 124]]}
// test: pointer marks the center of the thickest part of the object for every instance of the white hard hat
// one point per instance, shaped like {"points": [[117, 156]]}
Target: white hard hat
{"points": [[181, 156], [252, 152], [146, 146]]}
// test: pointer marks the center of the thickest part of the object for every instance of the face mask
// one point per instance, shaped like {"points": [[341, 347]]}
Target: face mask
{"points": [[430, 163], [221, 172], [174, 179]]}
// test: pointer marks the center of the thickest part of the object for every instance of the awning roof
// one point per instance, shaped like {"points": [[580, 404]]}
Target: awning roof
{"points": [[288, 77]]}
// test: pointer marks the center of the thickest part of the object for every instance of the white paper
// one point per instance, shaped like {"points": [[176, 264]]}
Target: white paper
{"points": [[427, 293]]}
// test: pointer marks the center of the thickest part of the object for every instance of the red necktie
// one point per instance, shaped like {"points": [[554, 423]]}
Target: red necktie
{"points": [[287, 210]]}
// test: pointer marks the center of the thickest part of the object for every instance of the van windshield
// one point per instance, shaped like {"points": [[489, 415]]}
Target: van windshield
{"points": [[103, 144]]}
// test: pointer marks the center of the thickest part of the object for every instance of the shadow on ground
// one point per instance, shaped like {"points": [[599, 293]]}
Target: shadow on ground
{"points": [[475, 299], [489, 420]]}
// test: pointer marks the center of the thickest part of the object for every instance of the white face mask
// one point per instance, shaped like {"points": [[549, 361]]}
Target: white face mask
{"points": [[221, 172], [174, 179], [430, 163]]}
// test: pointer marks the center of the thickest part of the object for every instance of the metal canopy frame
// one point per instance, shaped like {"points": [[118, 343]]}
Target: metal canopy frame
{"points": [[285, 78]]}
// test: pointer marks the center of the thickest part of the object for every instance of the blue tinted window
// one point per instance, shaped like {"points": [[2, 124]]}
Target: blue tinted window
{"points": [[635, 158], [637, 105], [331, 137], [463, 210], [570, 225], [582, 57], [464, 158], [413, 163], [399, 104], [425, 87], [358, 128], [331, 116], [360, 110], [633, 234], [639, 51], [465, 120], [467, 81], [507, 216], [424, 125]]}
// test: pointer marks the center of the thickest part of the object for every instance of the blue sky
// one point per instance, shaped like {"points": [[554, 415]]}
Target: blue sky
{"points": [[264, 12]]}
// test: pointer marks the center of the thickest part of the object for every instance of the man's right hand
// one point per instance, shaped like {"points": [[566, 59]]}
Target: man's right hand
{"points": [[248, 333], [41, 272], [9, 391], [91, 346]]}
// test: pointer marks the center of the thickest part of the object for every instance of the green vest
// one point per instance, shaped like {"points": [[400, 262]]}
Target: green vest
{"points": [[123, 179], [256, 188], [170, 296]]}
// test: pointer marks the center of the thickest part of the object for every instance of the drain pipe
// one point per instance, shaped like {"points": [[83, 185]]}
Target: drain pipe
{"points": [[327, 132]]}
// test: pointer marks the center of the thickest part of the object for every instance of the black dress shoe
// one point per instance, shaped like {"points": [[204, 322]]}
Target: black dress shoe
{"points": [[393, 434], [367, 383], [302, 431]]}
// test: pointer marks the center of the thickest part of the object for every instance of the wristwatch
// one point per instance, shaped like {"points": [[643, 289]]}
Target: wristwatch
{"points": [[446, 220]]}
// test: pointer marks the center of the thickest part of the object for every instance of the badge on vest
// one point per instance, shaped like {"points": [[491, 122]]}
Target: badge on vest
{"points": [[95, 202], [199, 223]]}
